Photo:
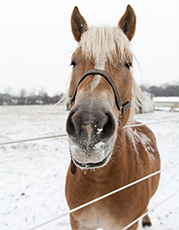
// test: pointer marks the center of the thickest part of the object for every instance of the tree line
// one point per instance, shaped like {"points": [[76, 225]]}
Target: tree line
{"points": [[165, 90], [42, 97]]}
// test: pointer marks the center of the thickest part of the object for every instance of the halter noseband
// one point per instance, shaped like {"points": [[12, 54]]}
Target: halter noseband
{"points": [[122, 108]]}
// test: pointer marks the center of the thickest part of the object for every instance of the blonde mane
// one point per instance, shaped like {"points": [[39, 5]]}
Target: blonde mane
{"points": [[106, 41], [112, 44]]}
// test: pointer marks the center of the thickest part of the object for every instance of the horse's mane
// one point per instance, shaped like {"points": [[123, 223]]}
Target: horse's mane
{"points": [[112, 43], [105, 40]]}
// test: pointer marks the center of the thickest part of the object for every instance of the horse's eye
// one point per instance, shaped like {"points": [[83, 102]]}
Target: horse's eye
{"points": [[73, 64], [128, 65]]}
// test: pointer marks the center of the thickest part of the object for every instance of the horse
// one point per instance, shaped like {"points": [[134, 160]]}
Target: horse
{"points": [[108, 148]]}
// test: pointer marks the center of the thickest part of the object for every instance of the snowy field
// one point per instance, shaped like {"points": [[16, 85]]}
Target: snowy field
{"points": [[166, 103], [32, 175]]}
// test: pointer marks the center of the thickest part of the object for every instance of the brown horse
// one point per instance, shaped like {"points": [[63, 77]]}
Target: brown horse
{"points": [[104, 154]]}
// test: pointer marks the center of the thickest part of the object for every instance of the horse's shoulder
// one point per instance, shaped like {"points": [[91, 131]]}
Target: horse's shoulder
{"points": [[144, 130]]}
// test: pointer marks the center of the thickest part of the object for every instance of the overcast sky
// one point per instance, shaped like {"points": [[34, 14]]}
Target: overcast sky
{"points": [[36, 41]]}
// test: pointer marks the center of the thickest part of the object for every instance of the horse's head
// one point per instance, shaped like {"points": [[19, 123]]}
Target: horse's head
{"points": [[100, 98]]}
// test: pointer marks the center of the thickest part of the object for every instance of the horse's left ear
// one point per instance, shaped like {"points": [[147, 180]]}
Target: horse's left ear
{"points": [[78, 24], [128, 22]]}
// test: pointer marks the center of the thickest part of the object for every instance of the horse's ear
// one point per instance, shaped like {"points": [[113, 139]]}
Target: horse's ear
{"points": [[128, 22], [78, 24]]}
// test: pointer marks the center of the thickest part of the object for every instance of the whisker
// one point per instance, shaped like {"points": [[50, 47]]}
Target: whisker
{"points": [[114, 162]]}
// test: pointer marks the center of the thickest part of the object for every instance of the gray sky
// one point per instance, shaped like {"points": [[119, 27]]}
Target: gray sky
{"points": [[36, 41]]}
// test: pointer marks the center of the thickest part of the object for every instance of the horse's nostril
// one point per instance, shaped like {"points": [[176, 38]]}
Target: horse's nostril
{"points": [[70, 127], [101, 127], [108, 128], [75, 126]]}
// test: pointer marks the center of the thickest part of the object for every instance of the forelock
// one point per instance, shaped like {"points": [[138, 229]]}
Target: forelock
{"points": [[106, 41]]}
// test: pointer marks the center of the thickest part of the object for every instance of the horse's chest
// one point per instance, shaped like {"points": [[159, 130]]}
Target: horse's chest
{"points": [[95, 217]]}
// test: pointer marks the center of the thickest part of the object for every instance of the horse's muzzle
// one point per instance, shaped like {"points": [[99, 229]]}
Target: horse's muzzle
{"points": [[87, 129], [91, 133]]}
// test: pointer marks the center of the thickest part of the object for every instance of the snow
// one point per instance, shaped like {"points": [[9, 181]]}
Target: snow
{"points": [[32, 175], [141, 137], [166, 103], [99, 131], [166, 99], [99, 145]]}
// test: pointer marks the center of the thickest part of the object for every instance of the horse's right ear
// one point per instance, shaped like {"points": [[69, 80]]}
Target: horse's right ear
{"points": [[78, 24]]}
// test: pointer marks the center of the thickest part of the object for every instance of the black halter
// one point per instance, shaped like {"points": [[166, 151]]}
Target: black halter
{"points": [[122, 108]]}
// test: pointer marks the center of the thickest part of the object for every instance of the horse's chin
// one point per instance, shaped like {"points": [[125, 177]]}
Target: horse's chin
{"points": [[96, 157], [92, 165]]}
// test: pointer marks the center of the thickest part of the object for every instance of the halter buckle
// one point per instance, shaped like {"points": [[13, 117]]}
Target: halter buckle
{"points": [[120, 115]]}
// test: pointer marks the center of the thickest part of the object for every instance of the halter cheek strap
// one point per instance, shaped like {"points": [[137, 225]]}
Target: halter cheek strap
{"points": [[121, 107]]}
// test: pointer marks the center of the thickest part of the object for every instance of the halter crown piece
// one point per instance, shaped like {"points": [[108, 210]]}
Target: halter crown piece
{"points": [[122, 108]]}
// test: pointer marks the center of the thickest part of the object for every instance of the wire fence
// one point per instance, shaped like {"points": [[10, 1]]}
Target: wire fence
{"points": [[33, 139], [151, 210], [64, 134], [110, 193], [107, 195]]}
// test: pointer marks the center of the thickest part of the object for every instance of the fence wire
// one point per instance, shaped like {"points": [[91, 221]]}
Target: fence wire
{"points": [[103, 197], [151, 210], [108, 194], [64, 134]]}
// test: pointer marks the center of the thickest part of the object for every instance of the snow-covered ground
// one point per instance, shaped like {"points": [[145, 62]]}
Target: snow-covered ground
{"points": [[32, 175], [166, 103], [166, 99]]}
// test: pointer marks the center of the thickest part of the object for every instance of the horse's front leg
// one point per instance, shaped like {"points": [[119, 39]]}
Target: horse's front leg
{"points": [[146, 221]]}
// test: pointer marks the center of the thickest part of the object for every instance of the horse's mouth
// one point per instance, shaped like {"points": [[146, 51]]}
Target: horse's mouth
{"points": [[91, 165]]}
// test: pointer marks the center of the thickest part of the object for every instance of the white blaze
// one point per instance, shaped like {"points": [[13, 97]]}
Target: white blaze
{"points": [[99, 64]]}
